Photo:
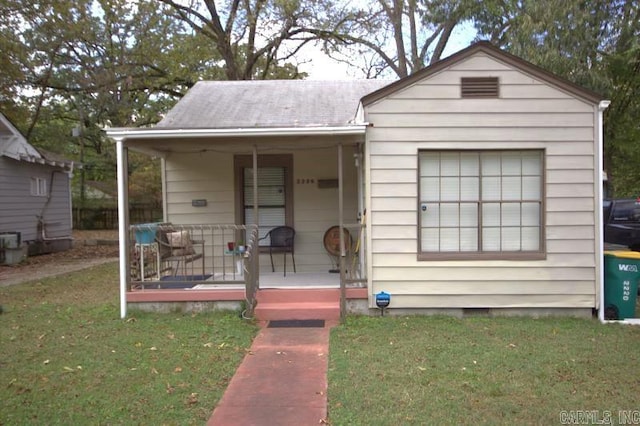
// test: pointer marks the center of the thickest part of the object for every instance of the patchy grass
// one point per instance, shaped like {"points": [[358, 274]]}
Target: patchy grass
{"points": [[440, 370], [67, 358]]}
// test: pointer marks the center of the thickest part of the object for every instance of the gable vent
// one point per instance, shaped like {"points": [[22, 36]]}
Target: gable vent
{"points": [[479, 87]]}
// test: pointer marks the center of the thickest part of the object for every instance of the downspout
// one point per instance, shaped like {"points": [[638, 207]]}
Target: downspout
{"points": [[123, 219], [600, 260]]}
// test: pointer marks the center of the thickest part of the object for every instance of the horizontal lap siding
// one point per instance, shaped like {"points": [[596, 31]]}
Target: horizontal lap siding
{"points": [[210, 176], [18, 208], [529, 115]]}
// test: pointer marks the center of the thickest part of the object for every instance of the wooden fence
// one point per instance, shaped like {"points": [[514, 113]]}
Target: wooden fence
{"points": [[107, 217]]}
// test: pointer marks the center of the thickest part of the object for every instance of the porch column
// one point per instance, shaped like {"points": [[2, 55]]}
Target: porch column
{"points": [[343, 290], [123, 220], [256, 263]]}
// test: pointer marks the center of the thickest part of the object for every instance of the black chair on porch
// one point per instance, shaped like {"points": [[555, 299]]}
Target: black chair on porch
{"points": [[281, 241]]}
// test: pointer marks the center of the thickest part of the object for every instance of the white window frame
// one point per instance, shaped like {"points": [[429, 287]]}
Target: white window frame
{"points": [[39, 187]]}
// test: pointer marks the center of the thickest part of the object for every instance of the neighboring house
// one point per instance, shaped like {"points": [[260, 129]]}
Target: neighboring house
{"points": [[35, 193], [478, 179]]}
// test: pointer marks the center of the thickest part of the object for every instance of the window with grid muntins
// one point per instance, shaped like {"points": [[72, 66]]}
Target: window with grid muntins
{"points": [[481, 202]]}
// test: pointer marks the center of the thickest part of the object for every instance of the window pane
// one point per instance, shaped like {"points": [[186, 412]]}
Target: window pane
{"points": [[429, 164], [450, 164], [468, 214], [449, 239], [490, 164], [531, 188], [491, 239], [531, 238], [430, 239], [490, 188], [491, 214], [511, 188], [469, 239], [450, 189], [430, 189], [531, 163], [431, 217], [469, 164], [469, 188], [510, 239], [511, 214], [449, 215], [511, 164], [531, 214]]}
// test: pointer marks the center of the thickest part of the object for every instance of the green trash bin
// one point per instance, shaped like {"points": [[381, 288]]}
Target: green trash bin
{"points": [[621, 276]]}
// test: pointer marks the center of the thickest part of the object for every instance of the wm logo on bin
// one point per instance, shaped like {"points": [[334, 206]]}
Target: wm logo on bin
{"points": [[627, 268]]}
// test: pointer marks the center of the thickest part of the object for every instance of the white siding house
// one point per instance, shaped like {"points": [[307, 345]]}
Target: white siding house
{"points": [[475, 181]]}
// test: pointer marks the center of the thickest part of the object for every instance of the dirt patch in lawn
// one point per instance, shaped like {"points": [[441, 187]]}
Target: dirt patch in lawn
{"points": [[90, 248]]}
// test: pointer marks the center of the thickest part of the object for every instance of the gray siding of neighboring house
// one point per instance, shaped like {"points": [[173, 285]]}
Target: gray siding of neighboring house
{"points": [[19, 210], [529, 114]]}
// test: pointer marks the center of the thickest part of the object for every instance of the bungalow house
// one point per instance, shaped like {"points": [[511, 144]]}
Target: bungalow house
{"points": [[473, 185], [35, 212]]}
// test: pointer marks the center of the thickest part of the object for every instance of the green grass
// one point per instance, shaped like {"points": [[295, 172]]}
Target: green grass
{"points": [[66, 357], [440, 370]]}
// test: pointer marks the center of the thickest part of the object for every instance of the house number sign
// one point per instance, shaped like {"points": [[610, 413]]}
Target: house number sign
{"points": [[305, 181]]}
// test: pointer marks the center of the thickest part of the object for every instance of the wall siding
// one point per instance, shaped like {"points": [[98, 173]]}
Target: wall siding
{"points": [[210, 176], [529, 114], [18, 209]]}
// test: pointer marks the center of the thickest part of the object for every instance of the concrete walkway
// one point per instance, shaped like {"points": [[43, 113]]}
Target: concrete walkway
{"points": [[282, 381]]}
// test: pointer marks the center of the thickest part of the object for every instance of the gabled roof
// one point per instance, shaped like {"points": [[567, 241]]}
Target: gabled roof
{"points": [[269, 104], [490, 50], [14, 145]]}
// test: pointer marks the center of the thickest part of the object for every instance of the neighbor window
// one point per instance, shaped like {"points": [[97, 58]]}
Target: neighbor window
{"points": [[481, 204], [38, 187], [274, 192]]}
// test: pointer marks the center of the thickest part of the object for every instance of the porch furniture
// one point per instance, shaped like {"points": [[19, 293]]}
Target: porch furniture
{"points": [[177, 249], [281, 241]]}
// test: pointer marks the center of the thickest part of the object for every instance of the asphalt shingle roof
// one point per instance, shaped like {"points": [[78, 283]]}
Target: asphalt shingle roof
{"points": [[269, 104]]}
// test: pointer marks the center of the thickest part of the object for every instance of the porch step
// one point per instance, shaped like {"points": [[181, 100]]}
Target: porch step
{"points": [[298, 304]]}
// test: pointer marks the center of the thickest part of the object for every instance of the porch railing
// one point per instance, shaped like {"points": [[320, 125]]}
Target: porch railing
{"points": [[167, 255]]}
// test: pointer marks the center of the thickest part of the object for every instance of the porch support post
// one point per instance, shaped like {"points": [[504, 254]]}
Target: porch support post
{"points": [[256, 263], [123, 221], [343, 290]]}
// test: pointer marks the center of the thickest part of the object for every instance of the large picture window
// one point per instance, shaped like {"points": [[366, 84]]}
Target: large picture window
{"points": [[481, 204]]}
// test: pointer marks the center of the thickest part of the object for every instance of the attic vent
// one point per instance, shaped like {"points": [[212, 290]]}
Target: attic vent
{"points": [[479, 87]]}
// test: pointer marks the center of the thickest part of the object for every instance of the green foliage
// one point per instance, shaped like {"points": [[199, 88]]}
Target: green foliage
{"points": [[592, 43]]}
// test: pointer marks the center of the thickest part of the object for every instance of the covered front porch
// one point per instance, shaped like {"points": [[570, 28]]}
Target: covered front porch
{"points": [[208, 247]]}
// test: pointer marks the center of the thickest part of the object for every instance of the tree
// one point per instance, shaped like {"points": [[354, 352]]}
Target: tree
{"points": [[255, 39], [400, 36], [592, 43]]}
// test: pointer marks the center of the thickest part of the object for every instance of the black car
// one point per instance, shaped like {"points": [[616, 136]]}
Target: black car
{"points": [[622, 223]]}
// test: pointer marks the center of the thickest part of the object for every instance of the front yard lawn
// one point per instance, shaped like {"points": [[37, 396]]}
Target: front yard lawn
{"points": [[440, 370]]}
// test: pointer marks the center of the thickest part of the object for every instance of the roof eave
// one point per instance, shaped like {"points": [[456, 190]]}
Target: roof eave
{"points": [[162, 133]]}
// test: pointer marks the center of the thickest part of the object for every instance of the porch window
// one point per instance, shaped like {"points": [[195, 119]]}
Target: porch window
{"points": [[275, 187], [481, 204]]}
